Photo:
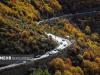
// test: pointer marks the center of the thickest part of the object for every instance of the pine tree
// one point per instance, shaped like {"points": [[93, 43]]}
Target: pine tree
{"points": [[37, 72]]}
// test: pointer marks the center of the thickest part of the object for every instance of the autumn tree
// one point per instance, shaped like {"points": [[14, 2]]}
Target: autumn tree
{"points": [[48, 8], [97, 60], [87, 30], [23, 10], [95, 37], [57, 63], [79, 70], [91, 68], [25, 34], [55, 4], [80, 57], [88, 54], [68, 61], [58, 72], [67, 72]]}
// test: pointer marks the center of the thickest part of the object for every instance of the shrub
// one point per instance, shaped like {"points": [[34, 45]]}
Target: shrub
{"points": [[40, 72]]}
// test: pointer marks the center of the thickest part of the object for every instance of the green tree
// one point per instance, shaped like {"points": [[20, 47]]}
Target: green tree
{"points": [[79, 70], [37, 72], [46, 72], [80, 57], [57, 63]]}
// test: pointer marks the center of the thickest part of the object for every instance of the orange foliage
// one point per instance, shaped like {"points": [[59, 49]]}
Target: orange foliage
{"points": [[68, 61], [88, 54], [57, 63]]}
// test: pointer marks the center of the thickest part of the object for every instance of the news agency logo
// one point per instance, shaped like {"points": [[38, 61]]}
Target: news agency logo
{"points": [[11, 59], [5, 57], [8, 1]]}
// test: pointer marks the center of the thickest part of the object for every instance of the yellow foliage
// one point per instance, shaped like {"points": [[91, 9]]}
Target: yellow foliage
{"points": [[73, 70], [1, 19], [47, 8], [93, 66], [55, 4], [79, 70], [42, 6], [30, 39], [26, 9], [97, 59], [39, 4], [88, 54], [58, 72], [95, 36], [66, 72], [67, 67], [87, 30], [74, 31], [25, 34], [5, 9], [91, 44]]}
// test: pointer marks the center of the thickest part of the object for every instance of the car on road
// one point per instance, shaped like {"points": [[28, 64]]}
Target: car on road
{"points": [[63, 40], [65, 45], [55, 49], [50, 53], [37, 56]]}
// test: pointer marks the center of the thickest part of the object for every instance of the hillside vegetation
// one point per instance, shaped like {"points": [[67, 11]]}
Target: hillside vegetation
{"points": [[20, 34]]}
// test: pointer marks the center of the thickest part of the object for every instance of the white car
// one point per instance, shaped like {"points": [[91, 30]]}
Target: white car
{"points": [[65, 45], [37, 56], [63, 40]]}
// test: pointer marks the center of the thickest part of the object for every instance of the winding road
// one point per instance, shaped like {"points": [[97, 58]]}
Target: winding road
{"points": [[67, 15], [62, 44]]}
